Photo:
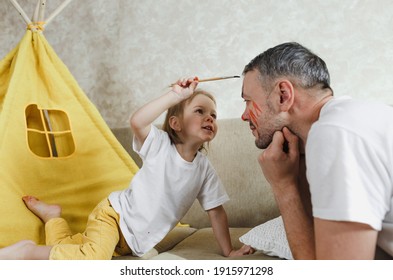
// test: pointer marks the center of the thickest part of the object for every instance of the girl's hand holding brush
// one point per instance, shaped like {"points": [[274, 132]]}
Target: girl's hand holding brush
{"points": [[185, 87]]}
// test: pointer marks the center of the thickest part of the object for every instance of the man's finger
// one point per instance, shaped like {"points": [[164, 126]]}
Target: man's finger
{"points": [[292, 139], [277, 142]]}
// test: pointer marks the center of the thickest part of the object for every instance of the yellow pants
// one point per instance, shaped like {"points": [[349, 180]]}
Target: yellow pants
{"points": [[101, 240]]}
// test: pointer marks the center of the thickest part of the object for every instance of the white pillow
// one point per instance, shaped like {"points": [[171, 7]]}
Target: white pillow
{"points": [[270, 238]]}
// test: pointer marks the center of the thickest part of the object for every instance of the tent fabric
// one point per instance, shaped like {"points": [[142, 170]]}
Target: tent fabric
{"points": [[53, 143]]}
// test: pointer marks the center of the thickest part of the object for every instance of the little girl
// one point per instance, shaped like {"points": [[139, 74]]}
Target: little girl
{"points": [[173, 175]]}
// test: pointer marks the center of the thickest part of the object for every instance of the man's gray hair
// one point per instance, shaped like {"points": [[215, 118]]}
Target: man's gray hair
{"points": [[291, 60]]}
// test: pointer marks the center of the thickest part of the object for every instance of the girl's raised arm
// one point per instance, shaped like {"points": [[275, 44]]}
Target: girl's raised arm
{"points": [[142, 119]]}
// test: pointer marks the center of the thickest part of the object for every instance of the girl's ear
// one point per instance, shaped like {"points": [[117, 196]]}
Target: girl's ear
{"points": [[287, 95], [174, 123]]}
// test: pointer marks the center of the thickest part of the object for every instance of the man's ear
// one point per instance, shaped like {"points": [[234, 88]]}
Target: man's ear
{"points": [[287, 95], [174, 123]]}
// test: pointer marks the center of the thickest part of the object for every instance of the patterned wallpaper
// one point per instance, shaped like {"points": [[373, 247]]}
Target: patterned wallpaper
{"points": [[125, 52]]}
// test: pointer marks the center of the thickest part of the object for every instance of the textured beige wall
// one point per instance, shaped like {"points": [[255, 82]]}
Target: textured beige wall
{"points": [[125, 52]]}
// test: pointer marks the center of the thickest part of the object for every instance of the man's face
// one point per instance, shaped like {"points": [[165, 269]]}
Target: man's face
{"points": [[259, 111]]}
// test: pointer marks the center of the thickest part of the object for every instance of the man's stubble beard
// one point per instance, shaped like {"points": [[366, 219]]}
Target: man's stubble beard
{"points": [[266, 137]]}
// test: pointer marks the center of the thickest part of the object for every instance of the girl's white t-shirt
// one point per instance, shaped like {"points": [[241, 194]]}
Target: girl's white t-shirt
{"points": [[349, 158], [162, 192]]}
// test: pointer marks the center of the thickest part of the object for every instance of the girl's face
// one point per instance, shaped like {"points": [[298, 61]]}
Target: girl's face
{"points": [[199, 119]]}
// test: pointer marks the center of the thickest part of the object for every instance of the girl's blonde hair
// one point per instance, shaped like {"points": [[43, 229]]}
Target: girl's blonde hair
{"points": [[178, 111]]}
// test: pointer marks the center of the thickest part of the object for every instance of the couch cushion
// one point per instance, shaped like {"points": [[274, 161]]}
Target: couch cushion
{"points": [[176, 235], [202, 245], [270, 238]]}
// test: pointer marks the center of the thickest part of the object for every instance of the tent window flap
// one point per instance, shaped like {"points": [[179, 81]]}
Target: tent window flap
{"points": [[48, 132]]}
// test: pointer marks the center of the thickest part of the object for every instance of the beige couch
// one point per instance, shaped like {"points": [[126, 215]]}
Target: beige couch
{"points": [[234, 156]]}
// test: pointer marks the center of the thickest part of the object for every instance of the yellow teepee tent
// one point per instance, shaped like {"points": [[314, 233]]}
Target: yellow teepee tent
{"points": [[53, 142]]}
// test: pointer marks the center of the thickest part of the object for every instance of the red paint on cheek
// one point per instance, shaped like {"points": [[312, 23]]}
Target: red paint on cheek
{"points": [[255, 112], [257, 108], [253, 119]]}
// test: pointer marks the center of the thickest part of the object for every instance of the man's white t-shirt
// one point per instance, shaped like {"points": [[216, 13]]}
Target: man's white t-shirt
{"points": [[349, 158], [162, 191]]}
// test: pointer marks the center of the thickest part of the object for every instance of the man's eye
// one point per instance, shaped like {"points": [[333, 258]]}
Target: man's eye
{"points": [[214, 116], [199, 111]]}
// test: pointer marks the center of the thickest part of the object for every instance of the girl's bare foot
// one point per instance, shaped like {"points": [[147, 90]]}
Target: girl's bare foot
{"points": [[42, 210], [17, 251]]}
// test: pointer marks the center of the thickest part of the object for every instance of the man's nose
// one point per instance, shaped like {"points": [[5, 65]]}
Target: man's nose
{"points": [[245, 116]]}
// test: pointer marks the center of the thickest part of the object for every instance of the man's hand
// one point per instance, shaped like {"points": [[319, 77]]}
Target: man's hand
{"points": [[281, 165], [280, 160]]}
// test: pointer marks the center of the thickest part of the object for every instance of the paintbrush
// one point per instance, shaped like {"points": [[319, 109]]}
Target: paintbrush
{"points": [[211, 79]]}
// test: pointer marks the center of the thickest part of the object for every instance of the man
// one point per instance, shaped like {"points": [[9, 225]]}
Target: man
{"points": [[337, 149]]}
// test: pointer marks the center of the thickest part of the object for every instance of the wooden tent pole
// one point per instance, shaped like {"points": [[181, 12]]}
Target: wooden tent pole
{"points": [[42, 10], [20, 10], [36, 12], [57, 11]]}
